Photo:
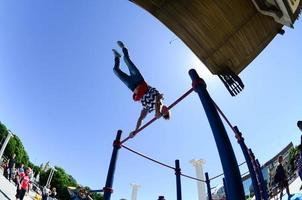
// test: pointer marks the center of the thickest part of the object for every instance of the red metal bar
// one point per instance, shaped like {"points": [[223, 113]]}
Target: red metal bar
{"points": [[153, 160]]}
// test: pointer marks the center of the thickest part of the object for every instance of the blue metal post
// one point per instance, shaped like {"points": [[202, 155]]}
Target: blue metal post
{"points": [[225, 189], [178, 182], [225, 150], [252, 157], [110, 176], [262, 182], [249, 163], [208, 186]]}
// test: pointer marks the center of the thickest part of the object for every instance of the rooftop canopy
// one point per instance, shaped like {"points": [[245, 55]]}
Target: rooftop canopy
{"points": [[226, 35]]}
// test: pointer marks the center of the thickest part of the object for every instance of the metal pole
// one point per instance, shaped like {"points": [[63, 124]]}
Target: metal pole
{"points": [[208, 186], [225, 189], [225, 150], [178, 181], [252, 156], [49, 177], [110, 176], [249, 163], [262, 182], [9, 135]]}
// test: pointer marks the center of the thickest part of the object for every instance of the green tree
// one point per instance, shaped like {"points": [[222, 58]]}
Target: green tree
{"points": [[14, 146], [97, 196], [292, 157], [61, 180]]}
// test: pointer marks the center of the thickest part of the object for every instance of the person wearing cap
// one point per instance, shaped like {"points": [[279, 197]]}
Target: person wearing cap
{"points": [[149, 96]]}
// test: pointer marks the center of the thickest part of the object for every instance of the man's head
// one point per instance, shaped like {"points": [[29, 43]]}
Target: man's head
{"points": [[28, 170], [280, 159], [165, 112], [82, 193], [299, 124], [139, 91]]}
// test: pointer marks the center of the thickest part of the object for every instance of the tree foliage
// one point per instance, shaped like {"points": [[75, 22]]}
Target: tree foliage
{"points": [[292, 157], [61, 180], [14, 146]]}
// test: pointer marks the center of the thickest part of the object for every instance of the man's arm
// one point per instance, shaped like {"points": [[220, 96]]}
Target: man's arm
{"points": [[140, 119], [139, 122], [158, 104]]}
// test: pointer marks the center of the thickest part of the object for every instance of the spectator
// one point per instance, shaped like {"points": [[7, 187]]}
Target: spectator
{"points": [[53, 193], [299, 163], [299, 124], [21, 169], [17, 182], [13, 173], [5, 169], [45, 192], [24, 183], [11, 166], [281, 178], [38, 195], [82, 194]]}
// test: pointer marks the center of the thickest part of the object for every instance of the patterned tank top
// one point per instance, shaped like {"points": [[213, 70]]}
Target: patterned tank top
{"points": [[149, 99]]}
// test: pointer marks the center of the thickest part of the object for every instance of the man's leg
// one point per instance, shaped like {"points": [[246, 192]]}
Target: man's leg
{"points": [[22, 194], [10, 174], [287, 190], [281, 191], [122, 75], [132, 68]]}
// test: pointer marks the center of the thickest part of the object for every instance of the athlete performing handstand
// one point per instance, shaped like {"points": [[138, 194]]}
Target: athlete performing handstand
{"points": [[149, 97]]}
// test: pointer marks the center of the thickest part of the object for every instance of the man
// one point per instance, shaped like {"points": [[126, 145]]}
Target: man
{"points": [[45, 192], [299, 163], [299, 124], [11, 166], [281, 178], [25, 182], [81, 194], [149, 97], [21, 169]]}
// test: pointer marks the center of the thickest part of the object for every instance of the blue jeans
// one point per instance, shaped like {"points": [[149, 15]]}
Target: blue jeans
{"points": [[135, 77]]}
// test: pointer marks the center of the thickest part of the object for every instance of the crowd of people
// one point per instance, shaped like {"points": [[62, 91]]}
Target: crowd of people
{"points": [[19, 175], [22, 177]]}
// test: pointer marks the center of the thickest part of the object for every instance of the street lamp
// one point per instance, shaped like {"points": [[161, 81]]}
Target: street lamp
{"points": [[9, 135], [52, 171]]}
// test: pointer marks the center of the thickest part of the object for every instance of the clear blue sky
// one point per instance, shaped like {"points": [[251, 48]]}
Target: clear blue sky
{"points": [[60, 96]]}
